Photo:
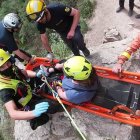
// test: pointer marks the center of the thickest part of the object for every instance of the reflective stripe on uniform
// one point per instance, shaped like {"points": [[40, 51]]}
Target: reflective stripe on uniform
{"points": [[6, 83]]}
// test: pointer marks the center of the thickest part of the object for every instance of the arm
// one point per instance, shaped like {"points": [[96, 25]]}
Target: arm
{"points": [[16, 114], [31, 74], [43, 71], [127, 54], [76, 17], [22, 55], [40, 73], [59, 66], [12, 47], [129, 51], [45, 42], [61, 93]]}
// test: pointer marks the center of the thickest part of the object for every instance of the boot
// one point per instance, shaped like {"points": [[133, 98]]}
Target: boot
{"points": [[43, 119], [119, 9], [137, 16], [130, 13], [86, 52]]}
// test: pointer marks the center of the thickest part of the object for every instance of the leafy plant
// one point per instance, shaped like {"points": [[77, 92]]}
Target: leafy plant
{"points": [[29, 38], [86, 8]]}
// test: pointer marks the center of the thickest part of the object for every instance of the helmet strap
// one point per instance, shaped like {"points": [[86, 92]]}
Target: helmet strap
{"points": [[9, 29]]}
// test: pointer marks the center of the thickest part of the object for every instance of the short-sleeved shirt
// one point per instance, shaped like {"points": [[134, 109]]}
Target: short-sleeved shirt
{"points": [[76, 93], [7, 41], [7, 95], [60, 19]]}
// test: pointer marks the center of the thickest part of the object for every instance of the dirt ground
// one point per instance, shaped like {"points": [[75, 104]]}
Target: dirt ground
{"points": [[105, 16]]}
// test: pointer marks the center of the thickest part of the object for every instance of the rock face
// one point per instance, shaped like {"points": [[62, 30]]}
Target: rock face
{"points": [[107, 54], [58, 128], [111, 35], [92, 126]]}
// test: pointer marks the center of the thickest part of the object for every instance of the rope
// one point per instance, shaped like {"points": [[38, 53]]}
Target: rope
{"points": [[55, 94]]}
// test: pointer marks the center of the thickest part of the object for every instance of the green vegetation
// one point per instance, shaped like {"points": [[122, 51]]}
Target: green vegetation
{"points": [[29, 39]]}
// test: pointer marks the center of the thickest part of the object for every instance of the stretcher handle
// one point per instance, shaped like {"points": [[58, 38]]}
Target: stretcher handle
{"points": [[122, 107]]}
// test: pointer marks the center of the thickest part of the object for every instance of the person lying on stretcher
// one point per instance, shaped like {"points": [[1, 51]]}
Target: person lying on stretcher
{"points": [[80, 81]]}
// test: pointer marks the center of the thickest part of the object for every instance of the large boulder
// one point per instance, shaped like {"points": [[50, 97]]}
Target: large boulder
{"points": [[111, 34], [92, 126], [58, 128]]}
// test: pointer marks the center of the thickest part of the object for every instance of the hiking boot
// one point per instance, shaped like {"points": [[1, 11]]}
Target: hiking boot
{"points": [[130, 13], [119, 9], [137, 16], [86, 52], [43, 119]]}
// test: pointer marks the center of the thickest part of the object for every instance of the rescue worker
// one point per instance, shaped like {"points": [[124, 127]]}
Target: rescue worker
{"points": [[10, 24], [127, 54], [80, 81], [131, 6], [63, 19], [17, 97], [135, 45]]}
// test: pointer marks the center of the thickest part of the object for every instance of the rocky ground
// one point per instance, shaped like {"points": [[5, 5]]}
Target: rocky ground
{"points": [[106, 17], [110, 33]]}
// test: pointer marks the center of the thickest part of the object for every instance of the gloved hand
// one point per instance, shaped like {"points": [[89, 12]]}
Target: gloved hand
{"points": [[43, 71], [50, 56], [40, 108], [40, 73], [117, 68], [55, 84]]}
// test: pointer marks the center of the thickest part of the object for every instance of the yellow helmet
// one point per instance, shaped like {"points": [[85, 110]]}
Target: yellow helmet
{"points": [[4, 56], [78, 68], [35, 8]]}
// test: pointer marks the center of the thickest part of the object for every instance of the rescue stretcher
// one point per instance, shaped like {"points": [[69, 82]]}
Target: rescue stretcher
{"points": [[117, 98]]}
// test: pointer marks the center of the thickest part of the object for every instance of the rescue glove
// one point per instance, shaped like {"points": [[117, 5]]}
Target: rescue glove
{"points": [[40, 108], [43, 72], [50, 56]]}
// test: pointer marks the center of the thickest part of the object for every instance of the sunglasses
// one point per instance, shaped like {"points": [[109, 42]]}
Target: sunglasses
{"points": [[36, 16]]}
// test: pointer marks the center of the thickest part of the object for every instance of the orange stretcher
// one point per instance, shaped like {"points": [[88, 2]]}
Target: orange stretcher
{"points": [[118, 97]]}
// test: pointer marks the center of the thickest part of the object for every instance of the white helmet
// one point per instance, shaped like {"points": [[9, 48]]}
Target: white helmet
{"points": [[12, 21]]}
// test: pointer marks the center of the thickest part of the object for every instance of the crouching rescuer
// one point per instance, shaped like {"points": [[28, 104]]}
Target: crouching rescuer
{"points": [[17, 97]]}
